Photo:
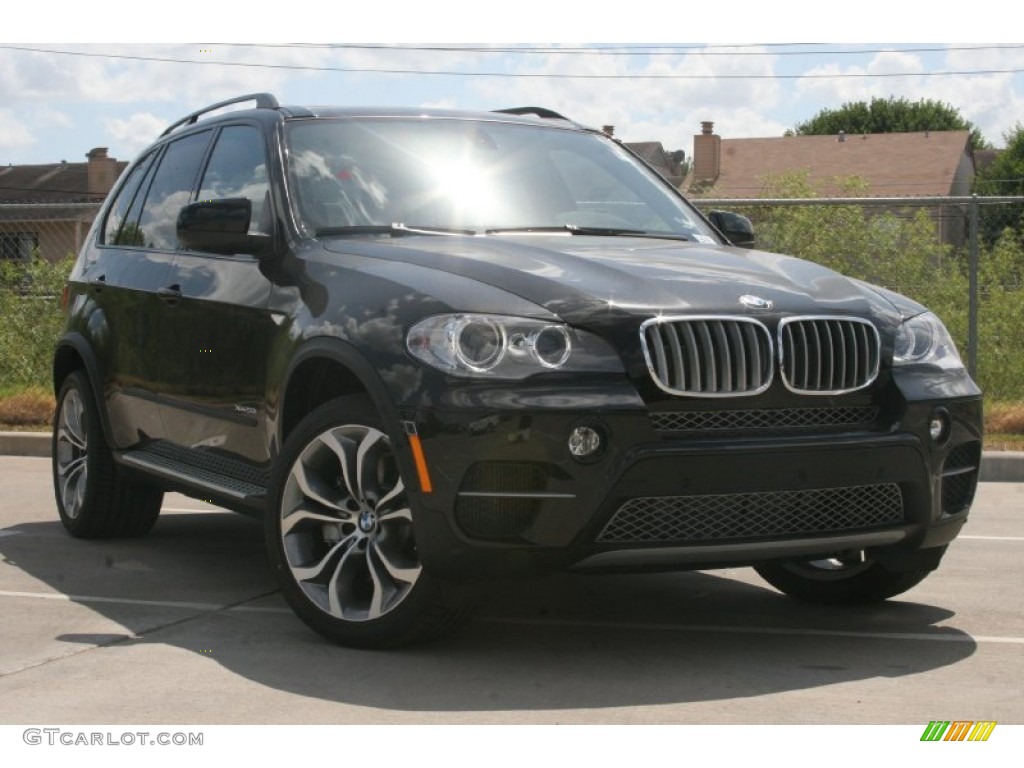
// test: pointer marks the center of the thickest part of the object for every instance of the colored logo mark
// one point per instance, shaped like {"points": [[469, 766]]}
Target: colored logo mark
{"points": [[958, 730]]}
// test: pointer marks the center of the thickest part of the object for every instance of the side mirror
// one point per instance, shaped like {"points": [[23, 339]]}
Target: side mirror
{"points": [[737, 228], [221, 226]]}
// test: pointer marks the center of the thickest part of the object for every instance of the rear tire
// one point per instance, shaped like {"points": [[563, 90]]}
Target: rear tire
{"points": [[340, 535], [94, 497], [849, 580]]}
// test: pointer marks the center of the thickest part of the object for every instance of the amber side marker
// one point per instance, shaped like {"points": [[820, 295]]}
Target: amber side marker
{"points": [[418, 457]]}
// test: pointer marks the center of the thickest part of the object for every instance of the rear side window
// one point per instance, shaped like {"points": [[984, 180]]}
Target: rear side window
{"points": [[116, 231], [170, 190]]}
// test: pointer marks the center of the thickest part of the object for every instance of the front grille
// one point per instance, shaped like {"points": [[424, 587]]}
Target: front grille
{"points": [[742, 516], [960, 478], [825, 355], [774, 419], [708, 356]]}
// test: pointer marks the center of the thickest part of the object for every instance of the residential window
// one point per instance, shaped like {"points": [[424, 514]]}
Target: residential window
{"points": [[15, 246]]}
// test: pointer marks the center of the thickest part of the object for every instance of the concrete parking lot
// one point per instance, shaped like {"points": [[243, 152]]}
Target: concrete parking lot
{"points": [[185, 626]]}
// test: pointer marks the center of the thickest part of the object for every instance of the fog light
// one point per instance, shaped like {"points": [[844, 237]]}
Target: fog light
{"points": [[585, 443], [938, 426]]}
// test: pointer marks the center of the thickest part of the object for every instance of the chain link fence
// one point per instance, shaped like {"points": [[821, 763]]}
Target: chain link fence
{"points": [[963, 257], [38, 243]]}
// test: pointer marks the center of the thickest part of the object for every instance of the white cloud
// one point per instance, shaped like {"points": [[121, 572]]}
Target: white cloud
{"points": [[133, 134], [13, 133]]}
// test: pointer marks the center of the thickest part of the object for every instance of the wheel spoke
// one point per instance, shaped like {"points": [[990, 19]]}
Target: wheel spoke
{"points": [[308, 482], [310, 572], [388, 497], [402, 513], [405, 574], [344, 449], [377, 598], [334, 602], [302, 515], [72, 488], [367, 459]]}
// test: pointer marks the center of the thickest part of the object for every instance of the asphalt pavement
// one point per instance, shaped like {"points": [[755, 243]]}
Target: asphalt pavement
{"points": [[186, 626]]}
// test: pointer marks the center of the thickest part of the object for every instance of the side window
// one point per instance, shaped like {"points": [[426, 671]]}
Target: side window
{"points": [[115, 232], [171, 190], [238, 168]]}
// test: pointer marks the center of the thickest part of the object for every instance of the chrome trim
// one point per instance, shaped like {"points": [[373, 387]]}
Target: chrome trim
{"points": [[653, 556], [860, 354], [515, 495], [727, 337]]}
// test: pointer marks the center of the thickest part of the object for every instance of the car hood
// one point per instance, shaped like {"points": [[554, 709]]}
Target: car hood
{"points": [[585, 279]]}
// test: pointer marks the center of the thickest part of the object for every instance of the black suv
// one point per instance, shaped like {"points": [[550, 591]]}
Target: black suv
{"points": [[432, 346]]}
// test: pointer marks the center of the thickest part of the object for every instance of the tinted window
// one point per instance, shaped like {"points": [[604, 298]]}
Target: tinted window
{"points": [[238, 168], [116, 232], [171, 189], [474, 175]]}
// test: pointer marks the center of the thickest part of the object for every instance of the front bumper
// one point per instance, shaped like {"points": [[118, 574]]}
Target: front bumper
{"points": [[508, 497]]}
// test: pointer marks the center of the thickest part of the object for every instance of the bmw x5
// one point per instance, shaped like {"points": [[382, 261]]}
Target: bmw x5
{"points": [[431, 347]]}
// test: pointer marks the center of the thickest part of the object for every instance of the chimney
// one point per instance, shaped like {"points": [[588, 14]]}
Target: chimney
{"points": [[707, 153], [608, 130], [102, 172]]}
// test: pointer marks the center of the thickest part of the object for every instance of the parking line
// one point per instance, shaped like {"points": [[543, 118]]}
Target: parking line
{"points": [[148, 603], [993, 538]]}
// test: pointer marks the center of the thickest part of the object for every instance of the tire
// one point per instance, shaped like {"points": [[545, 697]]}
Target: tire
{"points": [[94, 497], [340, 535], [850, 580]]}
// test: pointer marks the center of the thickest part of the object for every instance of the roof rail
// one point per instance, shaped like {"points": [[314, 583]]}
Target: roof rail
{"points": [[540, 112], [263, 101]]}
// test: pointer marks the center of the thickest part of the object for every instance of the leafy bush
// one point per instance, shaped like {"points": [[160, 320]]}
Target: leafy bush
{"points": [[30, 320]]}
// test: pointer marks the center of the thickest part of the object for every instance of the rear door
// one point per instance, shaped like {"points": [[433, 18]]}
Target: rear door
{"points": [[128, 279]]}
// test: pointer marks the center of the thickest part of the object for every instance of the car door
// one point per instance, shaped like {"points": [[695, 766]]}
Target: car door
{"points": [[215, 362]]}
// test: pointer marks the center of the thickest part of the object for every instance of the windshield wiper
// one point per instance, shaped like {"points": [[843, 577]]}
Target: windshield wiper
{"points": [[572, 229], [395, 230]]}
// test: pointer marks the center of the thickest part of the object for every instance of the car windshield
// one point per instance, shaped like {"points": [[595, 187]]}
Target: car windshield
{"points": [[481, 177]]}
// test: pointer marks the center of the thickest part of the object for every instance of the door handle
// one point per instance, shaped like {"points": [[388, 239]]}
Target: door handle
{"points": [[169, 293]]}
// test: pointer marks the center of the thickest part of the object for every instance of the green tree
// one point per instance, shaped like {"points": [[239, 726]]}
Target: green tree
{"points": [[891, 115], [1004, 176]]}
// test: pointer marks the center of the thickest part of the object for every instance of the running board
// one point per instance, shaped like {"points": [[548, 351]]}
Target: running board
{"points": [[199, 470]]}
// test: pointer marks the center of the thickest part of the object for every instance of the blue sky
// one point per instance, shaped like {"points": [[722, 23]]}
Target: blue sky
{"points": [[744, 69]]}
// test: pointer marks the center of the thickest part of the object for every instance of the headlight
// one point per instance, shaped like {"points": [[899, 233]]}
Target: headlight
{"points": [[497, 346], [924, 340]]}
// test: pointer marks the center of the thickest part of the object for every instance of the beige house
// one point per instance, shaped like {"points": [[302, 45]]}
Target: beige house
{"points": [[50, 207], [920, 164]]}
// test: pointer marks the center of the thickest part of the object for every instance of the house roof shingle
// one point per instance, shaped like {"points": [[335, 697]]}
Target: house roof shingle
{"points": [[49, 183], [893, 164]]}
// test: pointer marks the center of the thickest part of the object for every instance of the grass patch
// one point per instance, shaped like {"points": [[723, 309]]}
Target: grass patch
{"points": [[1004, 418], [27, 409]]}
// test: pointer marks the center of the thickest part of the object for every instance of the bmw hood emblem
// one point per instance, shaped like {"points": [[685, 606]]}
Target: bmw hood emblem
{"points": [[755, 302]]}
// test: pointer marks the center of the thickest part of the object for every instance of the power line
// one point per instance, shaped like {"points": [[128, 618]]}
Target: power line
{"points": [[624, 50], [511, 75]]}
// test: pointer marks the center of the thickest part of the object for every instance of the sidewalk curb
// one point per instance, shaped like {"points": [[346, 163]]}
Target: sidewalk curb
{"points": [[996, 466]]}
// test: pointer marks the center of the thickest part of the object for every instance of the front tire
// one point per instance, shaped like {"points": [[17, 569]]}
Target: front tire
{"points": [[340, 534], [94, 497], [850, 579]]}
